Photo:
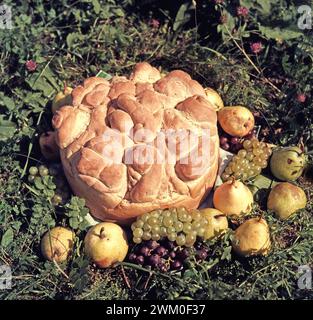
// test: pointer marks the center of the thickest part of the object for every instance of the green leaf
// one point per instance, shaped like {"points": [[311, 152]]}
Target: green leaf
{"points": [[96, 6], [7, 128], [181, 16], [7, 238], [7, 102], [278, 33]]}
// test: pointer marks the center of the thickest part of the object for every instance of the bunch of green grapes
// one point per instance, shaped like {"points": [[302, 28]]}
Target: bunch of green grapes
{"points": [[59, 192], [249, 161], [177, 225]]}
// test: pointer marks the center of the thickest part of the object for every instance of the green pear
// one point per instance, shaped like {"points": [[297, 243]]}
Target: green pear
{"points": [[287, 164], [252, 238], [285, 199]]}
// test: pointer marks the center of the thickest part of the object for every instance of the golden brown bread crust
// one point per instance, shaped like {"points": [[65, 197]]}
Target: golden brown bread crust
{"points": [[138, 112]]}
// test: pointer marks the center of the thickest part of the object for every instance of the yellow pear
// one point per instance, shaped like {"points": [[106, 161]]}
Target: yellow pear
{"points": [[233, 198], [252, 238], [214, 98], [285, 199], [236, 120], [57, 244], [217, 223], [105, 244]]}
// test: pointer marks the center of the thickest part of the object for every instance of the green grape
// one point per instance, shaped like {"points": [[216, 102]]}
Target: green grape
{"points": [[155, 215], [264, 156], [147, 227], [170, 230], [138, 233], [255, 143], [250, 173], [146, 236], [190, 240], [244, 176], [189, 217], [178, 225], [247, 144], [43, 170], [155, 229], [133, 226], [263, 164], [257, 170], [262, 145], [174, 214], [155, 237], [196, 215], [31, 178], [171, 236], [167, 221], [242, 153], [235, 158], [249, 156], [225, 176], [180, 239], [236, 168], [33, 171], [257, 151], [152, 221], [195, 225], [163, 231], [137, 240], [200, 231], [145, 217], [187, 227], [166, 213], [182, 215], [204, 222], [139, 223], [228, 170]]}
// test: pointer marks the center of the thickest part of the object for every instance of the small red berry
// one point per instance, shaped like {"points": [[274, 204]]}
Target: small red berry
{"points": [[242, 11], [154, 23], [301, 97], [256, 47], [31, 65]]}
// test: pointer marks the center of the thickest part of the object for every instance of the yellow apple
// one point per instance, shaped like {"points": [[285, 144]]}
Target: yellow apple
{"points": [[57, 244]]}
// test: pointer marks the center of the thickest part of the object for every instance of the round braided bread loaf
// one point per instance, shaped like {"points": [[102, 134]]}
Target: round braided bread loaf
{"points": [[132, 145]]}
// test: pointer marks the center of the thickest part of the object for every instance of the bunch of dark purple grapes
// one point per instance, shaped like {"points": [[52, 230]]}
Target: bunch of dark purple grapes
{"points": [[165, 255], [234, 144]]}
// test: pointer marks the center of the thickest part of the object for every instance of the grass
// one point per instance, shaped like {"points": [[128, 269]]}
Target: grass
{"points": [[75, 39]]}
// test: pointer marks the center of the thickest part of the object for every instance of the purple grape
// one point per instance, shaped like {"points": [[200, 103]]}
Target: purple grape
{"points": [[223, 140], [170, 245], [145, 251], [154, 260], [182, 255], [132, 257], [140, 260], [161, 251], [172, 254], [225, 146], [176, 265], [202, 254], [234, 140]]}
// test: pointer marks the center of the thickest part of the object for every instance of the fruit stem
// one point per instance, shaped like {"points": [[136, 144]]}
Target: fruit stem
{"points": [[65, 86], [102, 235]]}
